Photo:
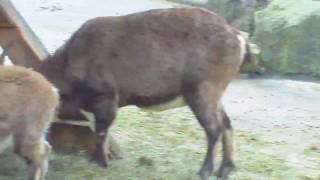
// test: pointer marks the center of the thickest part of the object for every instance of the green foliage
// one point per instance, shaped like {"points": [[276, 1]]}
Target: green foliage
{"points": [[287, 32]]}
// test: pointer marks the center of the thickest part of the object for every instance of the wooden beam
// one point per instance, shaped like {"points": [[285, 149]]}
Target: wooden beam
{"points": [[22, 38], [18, 48], [4, 19]]}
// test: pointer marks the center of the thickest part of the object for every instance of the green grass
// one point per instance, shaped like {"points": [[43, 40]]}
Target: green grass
{"points": [[160, 146], [312, 153]]}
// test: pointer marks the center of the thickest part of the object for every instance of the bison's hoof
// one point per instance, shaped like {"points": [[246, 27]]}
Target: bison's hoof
{"points": [[224, 171], [100, 160], [204, 175]]}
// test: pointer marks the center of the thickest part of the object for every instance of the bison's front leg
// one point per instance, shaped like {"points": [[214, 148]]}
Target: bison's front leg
{"points": [[104, 109]]}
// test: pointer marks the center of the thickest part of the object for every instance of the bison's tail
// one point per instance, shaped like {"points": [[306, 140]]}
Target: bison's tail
{"points": [[245, 52], [247, 55]]}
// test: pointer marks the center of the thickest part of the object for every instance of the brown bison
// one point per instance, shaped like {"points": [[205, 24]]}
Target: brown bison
{"points": [[150, 58]]}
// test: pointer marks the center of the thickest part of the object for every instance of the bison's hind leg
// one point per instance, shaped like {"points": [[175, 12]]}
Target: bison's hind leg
{"points": [[227, 164], [203, 101]]}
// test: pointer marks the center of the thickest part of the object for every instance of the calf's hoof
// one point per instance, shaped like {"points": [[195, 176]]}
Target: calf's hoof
{"points": [[100, 159]]}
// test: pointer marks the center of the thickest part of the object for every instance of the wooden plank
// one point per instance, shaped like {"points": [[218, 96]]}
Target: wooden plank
{"points": [[18, 48], [65, 137], [10, 18], [4, 19]]}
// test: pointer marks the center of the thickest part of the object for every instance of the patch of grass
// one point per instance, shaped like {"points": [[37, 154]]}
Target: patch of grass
{"points": [[312, 153], [253, 163], [162, 146], [313, 150]]}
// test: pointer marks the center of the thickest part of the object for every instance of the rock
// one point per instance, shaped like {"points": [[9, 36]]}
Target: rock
{"points": [[288, 33], [240, 13]]}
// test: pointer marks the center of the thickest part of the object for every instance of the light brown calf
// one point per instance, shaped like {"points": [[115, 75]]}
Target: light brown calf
{"points": [[27, 106]]}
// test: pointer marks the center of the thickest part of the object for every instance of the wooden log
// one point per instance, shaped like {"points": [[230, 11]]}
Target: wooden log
{"points": [[75, 136]]}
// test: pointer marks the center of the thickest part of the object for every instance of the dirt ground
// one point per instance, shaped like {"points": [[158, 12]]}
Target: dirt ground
{"points": [[282, 114]]}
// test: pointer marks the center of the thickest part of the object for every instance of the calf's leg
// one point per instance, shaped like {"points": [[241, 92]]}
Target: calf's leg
{"points": [[36, 153]]}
